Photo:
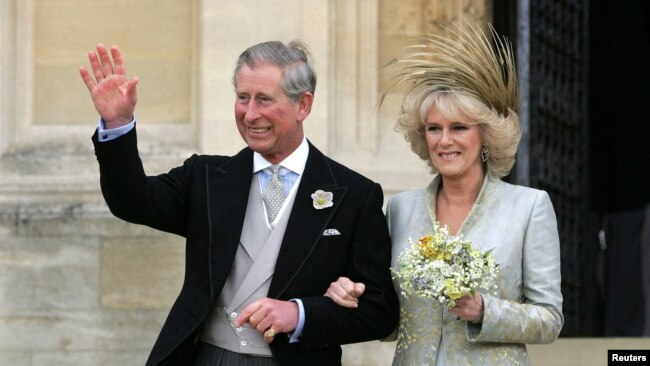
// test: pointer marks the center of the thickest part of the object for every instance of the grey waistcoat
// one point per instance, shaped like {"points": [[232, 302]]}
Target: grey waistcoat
{"points": [[249, 279]]}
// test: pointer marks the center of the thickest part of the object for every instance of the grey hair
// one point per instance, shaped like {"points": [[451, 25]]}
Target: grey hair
{"points": [[294, 58], [501, 133]]}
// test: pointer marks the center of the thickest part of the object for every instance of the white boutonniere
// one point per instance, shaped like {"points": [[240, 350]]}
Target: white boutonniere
{"points": [[322, 199]]}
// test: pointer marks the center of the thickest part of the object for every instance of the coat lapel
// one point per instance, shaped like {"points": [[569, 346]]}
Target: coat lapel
{"points": [[306, 224], [228, 187]]}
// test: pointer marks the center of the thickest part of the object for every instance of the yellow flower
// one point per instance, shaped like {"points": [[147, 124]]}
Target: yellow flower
{"points": [[451, 290], [444, 255], [427, 248]]}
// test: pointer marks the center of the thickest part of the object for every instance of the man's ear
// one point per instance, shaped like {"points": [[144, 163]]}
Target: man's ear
{"points": [[303, 105]]}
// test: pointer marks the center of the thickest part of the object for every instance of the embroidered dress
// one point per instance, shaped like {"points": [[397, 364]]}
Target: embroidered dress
{"points": [[520, 224]]}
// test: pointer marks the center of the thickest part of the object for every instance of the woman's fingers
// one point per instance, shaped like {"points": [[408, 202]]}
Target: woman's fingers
{"points": [[345, 300]]}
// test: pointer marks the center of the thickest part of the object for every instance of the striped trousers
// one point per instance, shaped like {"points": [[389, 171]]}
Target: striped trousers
{"points": [[210, 355]]}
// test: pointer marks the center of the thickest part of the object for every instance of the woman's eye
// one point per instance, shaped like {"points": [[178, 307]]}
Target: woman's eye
{"points": [[433, 128]]}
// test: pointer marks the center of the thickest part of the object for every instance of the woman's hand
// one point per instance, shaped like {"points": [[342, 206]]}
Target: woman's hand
{"points": [[469, 308], [345, 293]]}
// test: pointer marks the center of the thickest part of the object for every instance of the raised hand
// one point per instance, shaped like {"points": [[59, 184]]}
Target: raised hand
{"points": [[345, 293], [112, 93]]}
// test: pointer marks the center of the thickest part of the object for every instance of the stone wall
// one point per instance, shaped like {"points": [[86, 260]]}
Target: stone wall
{"points": [[80, 287]]}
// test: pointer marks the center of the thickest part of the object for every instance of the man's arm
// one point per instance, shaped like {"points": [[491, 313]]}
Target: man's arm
{"points": [[377, 313]]}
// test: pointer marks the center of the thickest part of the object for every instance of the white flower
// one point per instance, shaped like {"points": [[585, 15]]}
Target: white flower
{"points": [[438, 280], [437, 264], [456, 248], [445, 270], [322, 199], [475, 273], [486, 282]]}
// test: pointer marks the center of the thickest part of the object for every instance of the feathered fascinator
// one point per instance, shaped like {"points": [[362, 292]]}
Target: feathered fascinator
{"points": [[466, 62]]}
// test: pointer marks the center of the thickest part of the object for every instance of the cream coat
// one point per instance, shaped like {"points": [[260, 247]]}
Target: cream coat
{"points": [[519, 224]]}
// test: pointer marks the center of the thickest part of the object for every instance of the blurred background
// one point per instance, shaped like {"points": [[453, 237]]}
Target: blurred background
{"points": [[80, 287]]}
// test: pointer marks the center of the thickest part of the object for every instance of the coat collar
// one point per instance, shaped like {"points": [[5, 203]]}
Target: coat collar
{"points": [[228, 186]]}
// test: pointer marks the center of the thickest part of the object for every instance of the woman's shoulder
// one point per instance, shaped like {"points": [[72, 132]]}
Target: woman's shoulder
{"points": [[513, 194], [407, 216], [408, 205], [407, 198], [408, 195]]}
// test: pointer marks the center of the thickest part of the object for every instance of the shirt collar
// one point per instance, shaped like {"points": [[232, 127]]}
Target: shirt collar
{"points": [[295, 162]]}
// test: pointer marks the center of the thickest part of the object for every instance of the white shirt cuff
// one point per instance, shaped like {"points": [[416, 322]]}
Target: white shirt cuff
{"points": [[104, 135], [293, 337]]}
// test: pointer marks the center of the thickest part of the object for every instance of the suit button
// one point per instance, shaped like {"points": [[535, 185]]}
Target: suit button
{"points": [[243, 343], [233, 315], [239, 329]]}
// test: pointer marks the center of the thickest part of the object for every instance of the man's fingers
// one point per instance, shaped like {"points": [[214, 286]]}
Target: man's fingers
{"points": [[87, 79], [117, 59], [107, 65], [269, 335], [131, 90], [264, 324], [249, 314], [244, 316], [96, 66]]}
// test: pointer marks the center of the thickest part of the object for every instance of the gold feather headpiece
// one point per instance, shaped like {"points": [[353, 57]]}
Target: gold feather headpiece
{"points": [[465, 62]]}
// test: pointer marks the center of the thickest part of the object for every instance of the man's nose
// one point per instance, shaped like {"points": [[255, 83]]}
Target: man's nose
{"points": [[252, 111]]}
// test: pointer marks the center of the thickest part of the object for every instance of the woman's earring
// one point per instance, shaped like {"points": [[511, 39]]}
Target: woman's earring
{"points": [[485, 153]]}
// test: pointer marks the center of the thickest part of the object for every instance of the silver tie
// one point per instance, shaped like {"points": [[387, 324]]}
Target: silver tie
{"points": [[273, 194]]}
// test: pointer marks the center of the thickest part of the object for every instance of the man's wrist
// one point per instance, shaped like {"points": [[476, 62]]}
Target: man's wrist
{"points": [[105, 134], [293, 337]]}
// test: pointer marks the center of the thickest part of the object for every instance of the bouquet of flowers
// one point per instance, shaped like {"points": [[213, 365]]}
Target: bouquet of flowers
{"points": [[444, 267]]}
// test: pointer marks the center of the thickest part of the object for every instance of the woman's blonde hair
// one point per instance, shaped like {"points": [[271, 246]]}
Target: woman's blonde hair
{"points": [[500, 134], [468, 78]]}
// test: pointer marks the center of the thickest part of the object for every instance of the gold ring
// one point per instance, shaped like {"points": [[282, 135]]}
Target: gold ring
{"points": [[270, 333]]}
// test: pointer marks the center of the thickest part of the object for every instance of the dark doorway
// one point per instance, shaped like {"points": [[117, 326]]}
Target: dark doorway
{"points": [[619, 134], [551, 48], [584, 67]]}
